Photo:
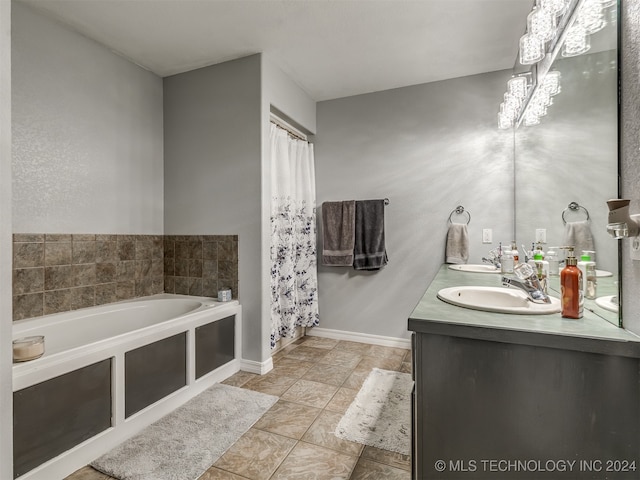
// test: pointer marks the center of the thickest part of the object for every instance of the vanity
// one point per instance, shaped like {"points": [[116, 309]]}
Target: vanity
{"points": [[511, 396]]}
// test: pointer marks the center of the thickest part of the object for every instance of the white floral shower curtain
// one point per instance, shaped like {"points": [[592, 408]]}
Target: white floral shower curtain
{"points": [[294, 281]]}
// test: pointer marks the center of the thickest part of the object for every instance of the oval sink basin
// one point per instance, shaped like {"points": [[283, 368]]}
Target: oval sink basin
{"points": [[496, 299], [479, 268], [608, 302]]}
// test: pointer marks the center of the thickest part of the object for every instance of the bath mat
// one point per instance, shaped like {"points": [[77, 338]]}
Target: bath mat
{"points": [[380, 415], [185, 443]]}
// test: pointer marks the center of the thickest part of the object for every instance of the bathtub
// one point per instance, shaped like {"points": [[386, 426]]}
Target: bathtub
{"points": [[109, 371]]}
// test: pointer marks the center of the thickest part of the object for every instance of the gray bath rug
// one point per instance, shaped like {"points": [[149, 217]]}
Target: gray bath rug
{"points": [[185, 443], [380, 415]]}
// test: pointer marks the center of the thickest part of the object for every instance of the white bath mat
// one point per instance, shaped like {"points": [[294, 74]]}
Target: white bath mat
{"points": [[380, 415], [185, 443]]}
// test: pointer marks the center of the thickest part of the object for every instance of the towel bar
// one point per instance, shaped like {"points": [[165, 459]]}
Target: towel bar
{"points": [[460, 210], [574, 206]]}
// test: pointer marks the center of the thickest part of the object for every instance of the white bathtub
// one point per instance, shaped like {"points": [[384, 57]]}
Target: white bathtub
{"points": [[115, 332]]}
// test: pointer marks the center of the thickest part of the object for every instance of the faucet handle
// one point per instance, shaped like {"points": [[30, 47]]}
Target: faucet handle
{"points": [[524, 271]]}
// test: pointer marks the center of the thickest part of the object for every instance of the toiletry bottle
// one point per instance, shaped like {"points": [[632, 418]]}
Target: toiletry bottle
{"points": [[570, 286], [542, 269], [588, 268], [506, 260], [514, 252], [554, 263]]}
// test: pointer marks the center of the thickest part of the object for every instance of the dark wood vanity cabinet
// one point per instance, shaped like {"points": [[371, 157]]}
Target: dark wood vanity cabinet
{"points": [[490, 409]]}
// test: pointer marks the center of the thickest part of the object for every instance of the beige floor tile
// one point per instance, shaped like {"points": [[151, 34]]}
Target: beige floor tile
{"points": [[341, 400], [311, 462], [256, 455], [353, 347], [239, 378], [380, 351], [309, 354], [393, 459], [283, 352], [384, 363], [368, 470], [342, 359], [310, 393], [216, 474], [405, 367], [288, 419], [407, 356], [321, 433], [330, 374], [291, 367], [320, 342], [87, 473], [270, 384], [356, 379]]}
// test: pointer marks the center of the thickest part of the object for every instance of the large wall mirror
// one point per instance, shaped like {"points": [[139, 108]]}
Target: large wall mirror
{"points": [[566, 167]]}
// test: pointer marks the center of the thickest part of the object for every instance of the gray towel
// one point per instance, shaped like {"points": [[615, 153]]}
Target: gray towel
{"points": [[369, 252], [579, 235], [338, 233], [457, 249]]}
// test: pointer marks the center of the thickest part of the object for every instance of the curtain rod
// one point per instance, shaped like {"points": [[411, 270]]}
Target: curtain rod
{"points": [[290, 129]]}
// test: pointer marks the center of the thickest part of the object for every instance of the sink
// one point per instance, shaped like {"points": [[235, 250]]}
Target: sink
{"points": [[608, 302], [603, 273], [496, 299], [477, 268]]}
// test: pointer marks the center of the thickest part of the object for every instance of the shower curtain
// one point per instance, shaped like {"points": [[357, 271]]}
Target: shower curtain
{"points": [[294, 281]]}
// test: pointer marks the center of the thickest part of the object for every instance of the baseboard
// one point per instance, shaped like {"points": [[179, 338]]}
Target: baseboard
{"points": [[260, 368], [359, 337]]}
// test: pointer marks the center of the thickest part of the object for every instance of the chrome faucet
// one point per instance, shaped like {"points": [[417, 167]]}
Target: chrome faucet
{"points": [[528, 282]]}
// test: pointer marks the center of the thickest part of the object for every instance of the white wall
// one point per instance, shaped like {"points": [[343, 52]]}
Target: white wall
{"points": [[212, 131], [428, 148], [6, 409], [87, 134]]}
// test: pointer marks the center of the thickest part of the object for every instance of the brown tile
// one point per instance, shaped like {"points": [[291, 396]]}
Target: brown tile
{"points": [[28, 255], [310, 354], [83, 297], [169, 247], [126, 270], [387, 457], [27, 306], [182, 249], [270, 383], [126, 248], [28, 237], [169, 266], [108, 237], [210, 268], [384, 363], [341, 400], [330, 374], [320, 342], [58, 277], [106, 252], [284, 351], [195, 267], [209, 287], [143, 269], [83, 237], [256, 455], [210, 251], [58, 301], [57, 237], [239, 378], [157, 285], [228, 250], [106, 293], [368, 470], [356, 379], [353, 347], [28, 280], [105, 272], [216, 474], [291, 367], [386, 352], [227, 269], [311, 462], [57, 253], [157, 247], [181, 267], [144, 248], [182, 285], [170, 284], [144, 287], [84, 252], [195, 286], [321, 433], [157, 267], [405, 367], [87, 473], [125, 290], [343, 359], [309, 393], [84, 274], [288, 419]]}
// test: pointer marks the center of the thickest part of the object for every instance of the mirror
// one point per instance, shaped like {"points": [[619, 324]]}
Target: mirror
{"points": [[572, 156]]}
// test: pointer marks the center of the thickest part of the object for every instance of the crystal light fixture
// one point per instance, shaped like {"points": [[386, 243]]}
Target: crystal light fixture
{"points": [[517, 86], [551, 82], [557, 7], [576, 42], [591, 16], [542, 23], [531, 49]]}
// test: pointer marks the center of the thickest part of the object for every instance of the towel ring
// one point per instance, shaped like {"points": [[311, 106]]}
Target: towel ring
{"points": [[574, 206], [460, 210]]}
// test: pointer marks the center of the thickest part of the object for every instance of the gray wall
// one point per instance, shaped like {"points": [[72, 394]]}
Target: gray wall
{"points": [[428, 148], [87, 134], [6, 410], [212, 135], [631, 154]]}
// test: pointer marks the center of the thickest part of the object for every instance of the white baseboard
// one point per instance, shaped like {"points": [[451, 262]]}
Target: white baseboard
{"points": [[359, 337], [260, 368]]}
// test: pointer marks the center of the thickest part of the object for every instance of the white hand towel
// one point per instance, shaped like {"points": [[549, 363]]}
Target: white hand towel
{"points": [[579, 235], [457, 249]]}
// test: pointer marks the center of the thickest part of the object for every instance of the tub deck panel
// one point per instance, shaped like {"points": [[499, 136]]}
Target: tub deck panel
{"points": [[214, 345], [58, 414], [154, 371]]}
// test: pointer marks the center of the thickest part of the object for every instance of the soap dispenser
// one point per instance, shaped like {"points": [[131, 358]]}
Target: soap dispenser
{"points": [[571, 287], [588, 268]]}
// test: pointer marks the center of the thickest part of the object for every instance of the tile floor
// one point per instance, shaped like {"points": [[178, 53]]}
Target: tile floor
{"points": [[316, 380]]}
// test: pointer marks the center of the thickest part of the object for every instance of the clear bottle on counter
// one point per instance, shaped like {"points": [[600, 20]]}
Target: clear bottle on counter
{"points": [[554, 262], [542, 269], [588, 268], [506, 261]]}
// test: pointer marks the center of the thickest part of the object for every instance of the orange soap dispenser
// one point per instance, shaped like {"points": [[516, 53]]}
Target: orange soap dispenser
{"points": [[570, 286]]}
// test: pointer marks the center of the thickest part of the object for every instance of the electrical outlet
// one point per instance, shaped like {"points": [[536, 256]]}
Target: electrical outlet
{"points": [[541, 235], [635, 248], [487, 235]]}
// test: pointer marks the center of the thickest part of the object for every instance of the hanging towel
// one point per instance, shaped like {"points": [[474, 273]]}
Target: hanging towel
{"points": [[457, 249], [338, 233], [579, 235], [369, 252]]}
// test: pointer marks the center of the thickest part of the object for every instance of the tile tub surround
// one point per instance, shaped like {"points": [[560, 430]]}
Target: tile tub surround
{"points": [[200, 264], [55, 273]]}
